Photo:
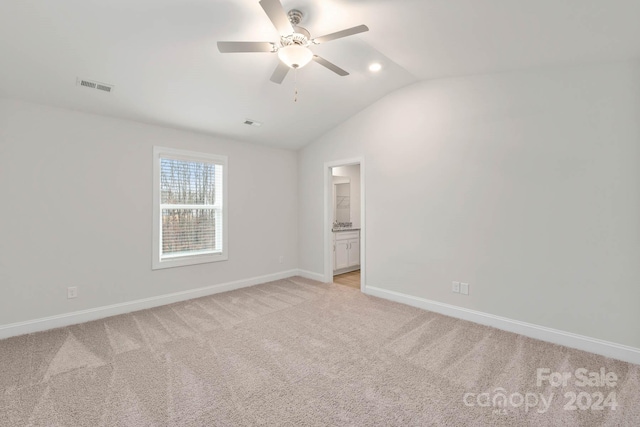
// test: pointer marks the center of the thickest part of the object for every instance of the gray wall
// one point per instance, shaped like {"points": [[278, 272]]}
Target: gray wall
{"points": [[525, 185], [77, 207]]}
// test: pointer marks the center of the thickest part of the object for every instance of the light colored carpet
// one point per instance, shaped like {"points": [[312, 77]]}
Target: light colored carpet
{"points": [[298, 353]]}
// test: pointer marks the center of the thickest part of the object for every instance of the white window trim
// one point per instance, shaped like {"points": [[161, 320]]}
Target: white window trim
{"points": [[173, 153]]}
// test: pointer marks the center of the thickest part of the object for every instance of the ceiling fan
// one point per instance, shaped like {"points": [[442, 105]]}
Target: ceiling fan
{"points": [[293, 48]]}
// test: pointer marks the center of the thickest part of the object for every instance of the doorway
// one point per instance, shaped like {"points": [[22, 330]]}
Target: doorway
{"points": [[344, 223]]}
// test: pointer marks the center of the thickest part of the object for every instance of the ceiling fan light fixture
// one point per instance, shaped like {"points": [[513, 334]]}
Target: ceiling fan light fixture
{"points": [[295, 56], [293, 46]]}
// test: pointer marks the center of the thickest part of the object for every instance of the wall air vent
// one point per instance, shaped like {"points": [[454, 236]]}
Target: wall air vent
{"points": [[252, 123], [94, 85]]}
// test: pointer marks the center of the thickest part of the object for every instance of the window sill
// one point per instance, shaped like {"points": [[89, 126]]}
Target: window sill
{"points": [[188, 260]]}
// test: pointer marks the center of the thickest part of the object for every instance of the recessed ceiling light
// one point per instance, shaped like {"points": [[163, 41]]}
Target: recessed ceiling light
{"points": [[375, 67]]}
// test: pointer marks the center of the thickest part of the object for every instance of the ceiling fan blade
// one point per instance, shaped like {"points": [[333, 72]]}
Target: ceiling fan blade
{"points": [[339, 71], [340, 34], [277, 15], [280, 72], [235, 47]]}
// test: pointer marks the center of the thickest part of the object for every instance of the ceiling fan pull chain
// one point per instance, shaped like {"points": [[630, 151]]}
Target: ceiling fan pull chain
{"points": [[295, 84]]}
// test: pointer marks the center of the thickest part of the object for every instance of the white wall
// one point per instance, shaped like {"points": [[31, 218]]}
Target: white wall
{"points": [[76, 210], [353, 173], [525, 185]]}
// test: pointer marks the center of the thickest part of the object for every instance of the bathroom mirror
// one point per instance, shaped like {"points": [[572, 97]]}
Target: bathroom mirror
{"points": [[342, 199]]}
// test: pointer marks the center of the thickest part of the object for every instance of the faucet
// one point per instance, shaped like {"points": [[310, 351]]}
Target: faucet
{"points": [[337, 224]]}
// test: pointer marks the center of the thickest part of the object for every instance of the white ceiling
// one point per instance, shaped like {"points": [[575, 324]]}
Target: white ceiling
{"points": [[161, 55]]}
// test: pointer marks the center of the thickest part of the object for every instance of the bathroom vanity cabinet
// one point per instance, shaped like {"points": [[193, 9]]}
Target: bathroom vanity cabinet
{"points": [[346, 250]]}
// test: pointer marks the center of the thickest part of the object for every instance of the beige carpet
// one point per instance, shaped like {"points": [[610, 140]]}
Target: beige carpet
{"points": [[295, 352]]}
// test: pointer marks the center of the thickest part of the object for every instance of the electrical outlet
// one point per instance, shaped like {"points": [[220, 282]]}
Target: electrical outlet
{"points": [[455, 287], [281, 259], [464, 288], [72, 292]]}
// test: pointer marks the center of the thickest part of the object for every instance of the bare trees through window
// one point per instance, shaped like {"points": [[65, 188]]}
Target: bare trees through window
{"points": [[189, 206]]}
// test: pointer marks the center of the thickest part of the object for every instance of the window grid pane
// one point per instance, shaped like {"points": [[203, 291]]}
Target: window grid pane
{"points": [[187, 229], [190, 230], [188, 183]]}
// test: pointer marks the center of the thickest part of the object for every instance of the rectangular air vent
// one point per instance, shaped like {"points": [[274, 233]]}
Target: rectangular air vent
{"points": [[252, 123], [94, 85]]}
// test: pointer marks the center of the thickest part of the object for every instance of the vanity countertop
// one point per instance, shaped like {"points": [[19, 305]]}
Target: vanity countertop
{"points": [[338, 230]]}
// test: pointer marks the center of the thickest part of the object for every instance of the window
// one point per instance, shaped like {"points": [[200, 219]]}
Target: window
{"points": [[189, 212]]}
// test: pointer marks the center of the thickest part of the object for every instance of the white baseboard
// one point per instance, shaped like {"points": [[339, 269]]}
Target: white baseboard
{"points": [[568, 339], [311, 275], [73, 318], [555, 336]]}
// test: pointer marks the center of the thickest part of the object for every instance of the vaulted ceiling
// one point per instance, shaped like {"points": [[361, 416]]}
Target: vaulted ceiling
{"points": [[161, 55]]}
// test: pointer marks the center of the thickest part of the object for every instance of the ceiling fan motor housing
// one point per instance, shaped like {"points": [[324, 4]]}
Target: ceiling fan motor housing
{"points": [[299, 37]]}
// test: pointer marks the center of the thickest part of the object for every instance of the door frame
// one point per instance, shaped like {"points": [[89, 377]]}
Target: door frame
{"points": [[328, 212]]}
